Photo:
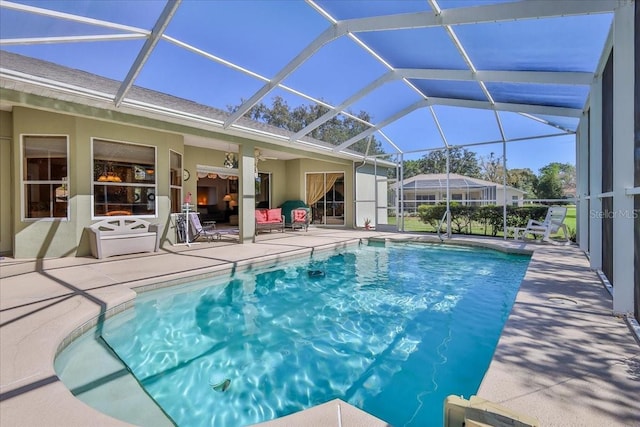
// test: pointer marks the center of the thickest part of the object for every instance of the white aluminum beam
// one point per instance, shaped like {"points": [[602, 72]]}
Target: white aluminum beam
{"points": [[366, 133], [503, 106], [440, 130], [151, 42], [481, 14], [547, 122], [350, 101], [70, 39], [485, 105], [330, 34], [542, 77], [70, 17]]}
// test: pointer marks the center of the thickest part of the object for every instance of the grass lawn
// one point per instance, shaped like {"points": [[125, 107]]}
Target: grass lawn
{"points": [[414, 224], [570, 219]]}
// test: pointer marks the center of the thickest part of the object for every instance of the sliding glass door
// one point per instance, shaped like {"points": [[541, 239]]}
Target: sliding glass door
{"points": [[325, 196]]}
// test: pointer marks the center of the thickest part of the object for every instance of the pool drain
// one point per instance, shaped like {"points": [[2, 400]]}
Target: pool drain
{"points": [[563, 300], [315, 274], [223, 386]]}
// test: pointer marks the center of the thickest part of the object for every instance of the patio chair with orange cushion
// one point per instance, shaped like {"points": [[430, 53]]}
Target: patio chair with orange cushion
{"points": [[300, 217]]}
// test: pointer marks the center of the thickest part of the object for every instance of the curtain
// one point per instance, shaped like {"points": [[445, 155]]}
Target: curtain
{"points": [[316, 188]]}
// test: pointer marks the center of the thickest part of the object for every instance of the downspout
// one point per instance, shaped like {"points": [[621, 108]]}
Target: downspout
{"points": [[504, 189], [448, 213], [504, 176], [447, 147], [400, 194], [355, 184], [375, 191], [355, 190]]}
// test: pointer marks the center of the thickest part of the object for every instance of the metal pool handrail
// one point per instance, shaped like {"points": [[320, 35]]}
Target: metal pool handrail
{"points": [[445, 216]]}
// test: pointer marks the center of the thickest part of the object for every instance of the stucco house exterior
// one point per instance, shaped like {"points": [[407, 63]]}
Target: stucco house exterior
{"points": [[70, 157]]}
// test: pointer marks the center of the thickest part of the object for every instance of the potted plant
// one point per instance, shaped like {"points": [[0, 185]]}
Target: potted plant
{"points": [[367, 224]]}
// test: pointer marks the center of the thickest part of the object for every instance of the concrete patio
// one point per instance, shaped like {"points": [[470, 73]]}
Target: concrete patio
{"points": [[562, 357]]}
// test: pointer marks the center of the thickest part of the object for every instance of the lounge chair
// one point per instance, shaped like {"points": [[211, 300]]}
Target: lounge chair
{"points": [[197, 230], [553, 222], [300, 217]]}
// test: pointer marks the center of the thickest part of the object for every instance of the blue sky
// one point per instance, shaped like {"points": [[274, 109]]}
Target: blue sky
{"points": [[263, 36]]}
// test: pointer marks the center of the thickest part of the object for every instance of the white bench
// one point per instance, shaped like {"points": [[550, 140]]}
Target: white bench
{"points": [[123, 235]]}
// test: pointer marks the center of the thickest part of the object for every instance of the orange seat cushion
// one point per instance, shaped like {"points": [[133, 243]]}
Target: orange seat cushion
{"points": [[274, 215], [299, 215], [261, 215]]}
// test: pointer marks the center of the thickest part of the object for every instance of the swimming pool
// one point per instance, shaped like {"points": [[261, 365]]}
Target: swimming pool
{"points": [[392, 330]]}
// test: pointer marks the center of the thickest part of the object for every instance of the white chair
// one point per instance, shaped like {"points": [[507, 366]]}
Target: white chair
{"points": [[553, 222], [196, 230]]}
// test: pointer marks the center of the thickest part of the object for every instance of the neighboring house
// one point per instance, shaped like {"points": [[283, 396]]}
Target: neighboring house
{"points": [[432, 189]]}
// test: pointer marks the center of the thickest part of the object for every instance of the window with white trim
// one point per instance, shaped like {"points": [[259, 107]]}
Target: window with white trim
{"points": [[124, 179], [175, 180], [44, 176]]}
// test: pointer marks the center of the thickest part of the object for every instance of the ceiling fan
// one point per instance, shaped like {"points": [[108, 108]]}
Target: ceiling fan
{"points": [[260, 157]]}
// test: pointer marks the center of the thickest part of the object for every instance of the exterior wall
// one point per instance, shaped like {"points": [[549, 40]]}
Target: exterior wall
{"points": [[636, 181], [294, 187], [623, 158], [40, 238], [6, 188], [510, 194], [279, 179], [62, 237], [367, 197], [45, 238]]}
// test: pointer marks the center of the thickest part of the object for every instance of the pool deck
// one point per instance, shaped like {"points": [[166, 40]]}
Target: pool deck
{"points": [[562, 358]]}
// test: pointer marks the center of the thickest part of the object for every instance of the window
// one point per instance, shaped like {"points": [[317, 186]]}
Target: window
{"points": [[175, 181], [430, 199], [263, 190], [514, 200], [44, 175], [124, 179]]}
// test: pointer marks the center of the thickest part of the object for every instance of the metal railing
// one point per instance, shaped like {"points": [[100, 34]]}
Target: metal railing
{"points": [[445, 216]]}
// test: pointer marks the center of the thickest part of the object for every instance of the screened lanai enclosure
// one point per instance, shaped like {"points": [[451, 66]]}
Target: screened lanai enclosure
{"points": [[377, 83], [506, 70]]}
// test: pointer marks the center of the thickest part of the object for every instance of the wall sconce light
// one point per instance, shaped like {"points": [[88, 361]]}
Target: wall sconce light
{"points": [[230, 160]]}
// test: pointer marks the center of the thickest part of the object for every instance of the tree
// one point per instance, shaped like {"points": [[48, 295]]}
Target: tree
{"points": [[554, 179], [523, 179], [411, 168], [492, 168], [461, 161], [335, 131]]}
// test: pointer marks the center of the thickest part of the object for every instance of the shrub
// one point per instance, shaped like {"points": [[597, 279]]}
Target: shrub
{"points": [[431, 214], [487, 217]]}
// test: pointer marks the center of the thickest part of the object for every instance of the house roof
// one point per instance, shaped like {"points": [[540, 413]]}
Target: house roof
{"points": [[522, 69], [439, 181], [90, 89]]}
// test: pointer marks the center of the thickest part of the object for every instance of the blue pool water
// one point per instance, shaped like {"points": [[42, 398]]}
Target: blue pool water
{"points": [[392, 330]]}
